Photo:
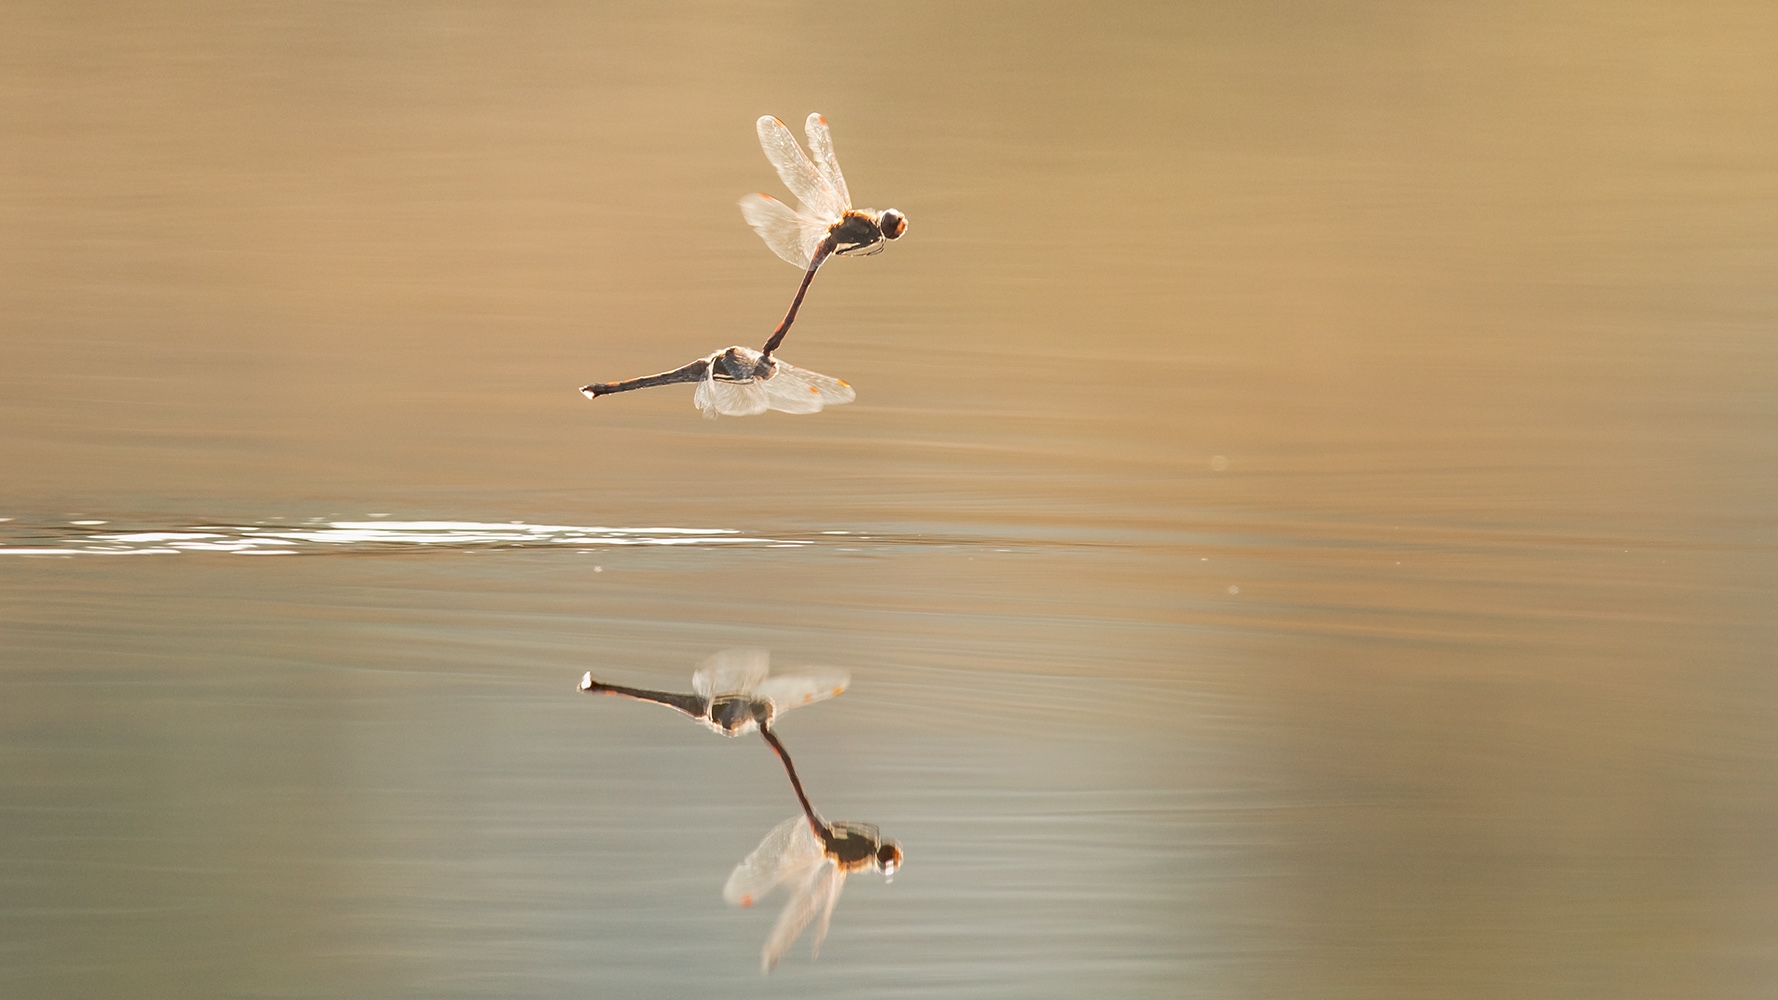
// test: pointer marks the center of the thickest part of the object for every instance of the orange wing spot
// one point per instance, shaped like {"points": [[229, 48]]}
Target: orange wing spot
{"points": [[821, 118], [844, 383], [836, 692], [808, 698], [815, 390], [746, 901]]}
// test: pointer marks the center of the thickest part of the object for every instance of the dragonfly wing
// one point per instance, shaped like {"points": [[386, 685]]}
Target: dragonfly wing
{"points": [[827, 895], [791, 235], [732, 671], [821, 144], [790, 848], [798, 390], [790, 691], [814, 234], [805, 899], [798, 174], [731, 399], [788, 393]]}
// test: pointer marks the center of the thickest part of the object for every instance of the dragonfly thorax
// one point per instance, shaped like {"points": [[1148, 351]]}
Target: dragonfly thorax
{"points": [[855, 847], [739, 364], [857, 234], [738, 714]]}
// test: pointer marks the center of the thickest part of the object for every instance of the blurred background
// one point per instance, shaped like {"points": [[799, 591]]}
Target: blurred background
{"points": [[1306, 527]]}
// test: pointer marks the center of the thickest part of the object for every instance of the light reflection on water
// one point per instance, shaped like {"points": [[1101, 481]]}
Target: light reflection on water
{"points": [[350, 536]]}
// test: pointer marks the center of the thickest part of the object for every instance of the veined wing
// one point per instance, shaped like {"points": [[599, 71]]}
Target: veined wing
{"points": [[789, 850], [821, 144], [732, 671], [798, 390], [788, 691], [799, 175], [826, 896], [731, 399], [806, 896], [791, 235]]}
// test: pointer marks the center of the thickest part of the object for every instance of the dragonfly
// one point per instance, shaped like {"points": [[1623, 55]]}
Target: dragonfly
{"points": [[824, 224], [740, 382], [812, 857], [732, 693]]}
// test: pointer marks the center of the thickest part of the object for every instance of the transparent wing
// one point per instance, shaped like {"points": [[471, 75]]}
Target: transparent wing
{"points": [[790, 849], [821, 144], [799, 175], [806, 896], [732, 671], [789, 691], [798, 390], [791, 236], [826, 895], [731, 399]]}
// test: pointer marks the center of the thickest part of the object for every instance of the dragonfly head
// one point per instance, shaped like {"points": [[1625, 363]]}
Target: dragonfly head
{"points": [[763, 711], [893, 224], [889, 857]]}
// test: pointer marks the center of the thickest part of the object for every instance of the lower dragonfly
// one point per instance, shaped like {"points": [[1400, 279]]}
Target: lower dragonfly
{"points": [[732, 693], [811, 856], [740, 382]]}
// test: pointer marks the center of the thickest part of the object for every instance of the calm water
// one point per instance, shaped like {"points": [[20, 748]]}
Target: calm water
{"points": [[1306, 527]]}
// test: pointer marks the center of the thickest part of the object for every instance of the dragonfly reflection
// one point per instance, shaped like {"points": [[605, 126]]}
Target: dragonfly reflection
{"points": [[812, 857], [733, 694], [740, 382], [825, 223]]}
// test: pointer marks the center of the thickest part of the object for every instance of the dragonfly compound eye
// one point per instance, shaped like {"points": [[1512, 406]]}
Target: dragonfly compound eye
{"points": [[889, 857], [894, 224]]}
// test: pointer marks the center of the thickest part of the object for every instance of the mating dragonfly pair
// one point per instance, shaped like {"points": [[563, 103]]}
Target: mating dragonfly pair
{"points": [[732, 694], [740, 381]]}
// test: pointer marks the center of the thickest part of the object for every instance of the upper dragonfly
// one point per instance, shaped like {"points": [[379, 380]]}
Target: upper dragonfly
{"points": [[825, 224], [740, 382], [733, 694]]}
